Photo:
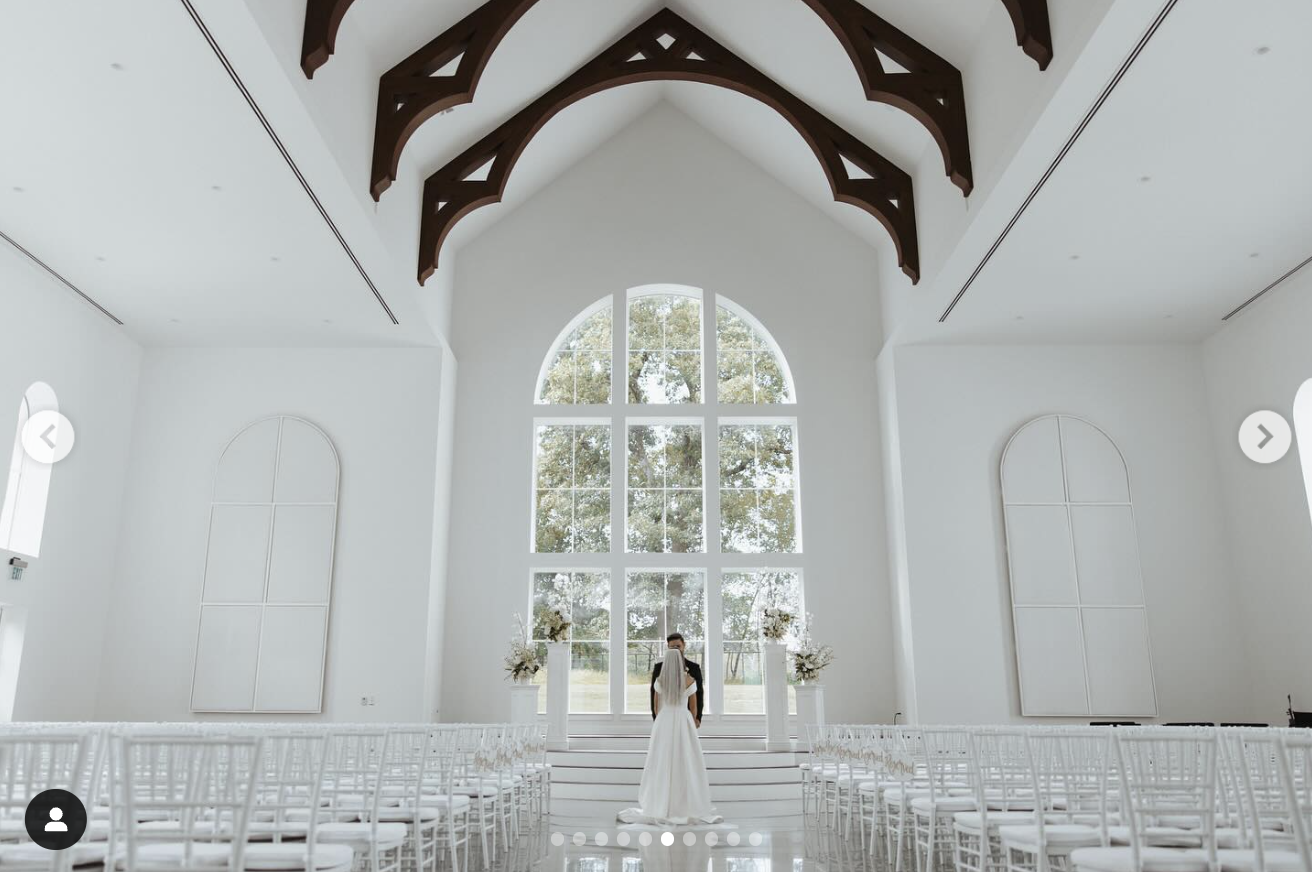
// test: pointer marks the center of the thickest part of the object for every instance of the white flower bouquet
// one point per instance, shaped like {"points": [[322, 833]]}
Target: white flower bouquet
{"points": [[556, 626], [522, 663], [810, 659], [775, 623]]}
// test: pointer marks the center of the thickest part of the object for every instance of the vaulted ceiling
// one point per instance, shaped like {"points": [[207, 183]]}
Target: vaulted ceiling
{"points": [[891, 65]]}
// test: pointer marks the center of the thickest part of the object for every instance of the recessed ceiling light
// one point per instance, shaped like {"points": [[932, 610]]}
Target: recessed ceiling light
{"points": [[1261, 50]]}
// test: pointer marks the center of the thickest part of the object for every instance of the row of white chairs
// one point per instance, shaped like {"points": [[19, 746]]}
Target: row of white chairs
{"points": [[276, 797], [1092, 799]]}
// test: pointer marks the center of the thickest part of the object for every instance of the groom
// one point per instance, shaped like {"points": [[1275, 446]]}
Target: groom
{"points": [[674, 640]]}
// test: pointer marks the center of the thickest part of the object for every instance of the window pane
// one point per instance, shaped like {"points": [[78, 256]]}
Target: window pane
{"points": [[744, 691], [591, 527], [665, 349], [758, 497], [665, 500], [589, 678], [551, 590], [581, 365], [750, 371], [573, 489], [657, 604], [551, 523], [590, 601]]}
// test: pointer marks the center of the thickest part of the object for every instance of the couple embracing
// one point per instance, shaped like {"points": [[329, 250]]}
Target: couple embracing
{"points": [[675, 789]]}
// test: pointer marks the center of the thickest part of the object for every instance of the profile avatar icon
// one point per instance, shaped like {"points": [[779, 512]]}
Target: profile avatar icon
{"points": [[55, 819], [56, 824]]}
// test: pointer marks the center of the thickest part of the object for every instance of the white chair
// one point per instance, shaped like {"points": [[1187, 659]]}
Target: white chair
{"points": [[948, 771], [1166, 776], [29, 764], [1069, 770], [1004, 794]]}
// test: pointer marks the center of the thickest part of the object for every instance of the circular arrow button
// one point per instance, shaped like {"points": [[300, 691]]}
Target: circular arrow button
{"points": [[47, 437], [1264, 437]]}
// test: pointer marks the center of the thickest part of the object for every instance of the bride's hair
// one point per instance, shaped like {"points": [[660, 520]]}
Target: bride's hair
{"points": [[672, 677]]}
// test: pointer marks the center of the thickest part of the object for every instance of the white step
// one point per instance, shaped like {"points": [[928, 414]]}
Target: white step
{"points": [[596, 811], [638, 742], [628, 793], [591, 775], [636, 759]]}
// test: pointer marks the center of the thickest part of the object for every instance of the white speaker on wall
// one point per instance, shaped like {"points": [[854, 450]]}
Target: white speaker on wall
{"points": [[1082, 646], [262, 630]]}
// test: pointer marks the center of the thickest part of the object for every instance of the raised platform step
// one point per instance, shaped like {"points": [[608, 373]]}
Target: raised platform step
{"points": [[593, 775], [627, 794], [636, 758], [638, 742], [586, 812]]}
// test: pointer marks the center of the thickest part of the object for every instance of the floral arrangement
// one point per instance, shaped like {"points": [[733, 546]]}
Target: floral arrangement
{"points": [[775, 623], [810, 659], [522, 663], [556, 625]]}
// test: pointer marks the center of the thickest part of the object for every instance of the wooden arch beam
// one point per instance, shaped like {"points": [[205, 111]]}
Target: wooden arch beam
{"points": [[1033, 29], [926, 87], [412, 92], [323, 18], [668, 48]]}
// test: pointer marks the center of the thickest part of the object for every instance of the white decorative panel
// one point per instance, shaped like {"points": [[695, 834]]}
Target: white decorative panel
{"points": [[300, 562], [1107, 555], [1075, 548], [1042, 564], [1095, 471], [1120, 666], [1051, 661], [245, 473], [226, 657], [238, 554], [291, 659], [307, 465], [265, 598], [1031, 469]]}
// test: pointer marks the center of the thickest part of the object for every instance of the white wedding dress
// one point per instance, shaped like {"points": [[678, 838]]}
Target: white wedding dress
{"points": [[675, 790]]}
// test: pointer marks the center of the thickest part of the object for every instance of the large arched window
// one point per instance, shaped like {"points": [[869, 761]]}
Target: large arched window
{"points": [[23, 516], [665, 496]]}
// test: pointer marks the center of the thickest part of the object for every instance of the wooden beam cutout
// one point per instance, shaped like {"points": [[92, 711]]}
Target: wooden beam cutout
{"points": [[442, 74], [668, 48], [1033, 29], [322, 20], [897, 70]]}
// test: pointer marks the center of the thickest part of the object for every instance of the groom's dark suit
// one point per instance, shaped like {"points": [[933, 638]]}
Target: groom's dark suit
{"points": [[695, 671]]}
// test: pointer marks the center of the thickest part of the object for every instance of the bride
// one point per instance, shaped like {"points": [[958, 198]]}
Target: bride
{"points": [[675, 789]]}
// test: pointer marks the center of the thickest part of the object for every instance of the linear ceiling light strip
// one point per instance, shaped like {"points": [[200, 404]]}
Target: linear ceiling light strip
{"points": [[1061, 156], [65, 282], [286, 155], [1253, 299]]}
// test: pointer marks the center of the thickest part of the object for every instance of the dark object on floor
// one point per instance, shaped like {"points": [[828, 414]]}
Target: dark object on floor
{"points": [[1298, 719], [1113, 723], [1192, 724], [1245, 725]]}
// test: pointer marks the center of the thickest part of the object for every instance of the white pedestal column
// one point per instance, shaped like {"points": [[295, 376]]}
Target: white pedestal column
{"points": [[810, 706], [524, 703], [776, 697], [558, 664]]}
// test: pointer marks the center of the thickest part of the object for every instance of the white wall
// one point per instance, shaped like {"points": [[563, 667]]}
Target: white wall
{"points": [[665, 202], [380, 408], [61, 601], [1258, 362], [956, 408]]}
